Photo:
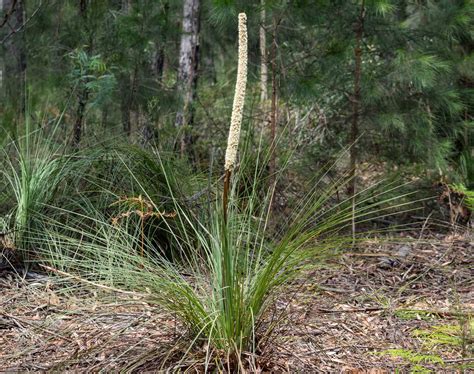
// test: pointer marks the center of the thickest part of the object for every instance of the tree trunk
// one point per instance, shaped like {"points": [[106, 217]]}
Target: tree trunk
{"points": [[126, 6], [273, 117], [127, 87], [263, 56], [158, 58], [81, 108], [82, 8], [14, 72], [187, 72], [158, 62], [84, 94], [125, 106], [146, 134], [359, 33]]}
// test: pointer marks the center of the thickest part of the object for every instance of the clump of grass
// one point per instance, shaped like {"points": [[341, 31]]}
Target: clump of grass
{"points": [[35, 168]]}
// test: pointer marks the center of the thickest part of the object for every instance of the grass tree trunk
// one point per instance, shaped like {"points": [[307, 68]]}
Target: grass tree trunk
{"points": [[356, 99], [187, 72]]}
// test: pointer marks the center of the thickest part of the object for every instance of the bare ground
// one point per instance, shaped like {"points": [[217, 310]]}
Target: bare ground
{"points": [[407, 307]]}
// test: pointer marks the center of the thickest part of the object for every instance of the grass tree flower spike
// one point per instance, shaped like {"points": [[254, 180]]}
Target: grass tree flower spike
{"points": [[239, 96], [237, 110]]}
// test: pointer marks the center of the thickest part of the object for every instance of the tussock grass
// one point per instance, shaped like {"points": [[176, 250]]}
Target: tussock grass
{"points": [[35, 168], [227, 275]]}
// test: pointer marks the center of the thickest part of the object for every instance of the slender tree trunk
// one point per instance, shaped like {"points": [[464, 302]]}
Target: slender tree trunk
{"points": [[105, 117], [146, 135], [158, 62], [125, 105], [14, 72], [21, 55], [263, 56], [127, 87], [2, 84], [84, 94], [81, 108], [126, 6], [359, 33], [274, 109], [187, 72], [82, 8]]}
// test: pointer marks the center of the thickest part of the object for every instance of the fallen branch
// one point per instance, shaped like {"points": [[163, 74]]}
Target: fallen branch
{"points": [[360, 310], [376, 309], [440, 313]]}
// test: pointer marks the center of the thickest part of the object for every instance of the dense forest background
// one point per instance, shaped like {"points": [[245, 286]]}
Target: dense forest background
{"points": [[394, 77]]}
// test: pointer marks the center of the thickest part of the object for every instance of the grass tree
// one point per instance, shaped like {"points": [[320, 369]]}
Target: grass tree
{"points": [[232, 266]]}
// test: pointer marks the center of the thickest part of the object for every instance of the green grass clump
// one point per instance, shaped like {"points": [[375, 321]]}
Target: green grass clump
{"points": [[34, 172], [227, 274]]}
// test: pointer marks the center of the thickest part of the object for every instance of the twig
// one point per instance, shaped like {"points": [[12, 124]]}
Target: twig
{"points": [[18, 320], [23, 25], [363, 310], [8, 13], [108, 288], [440, 313], [468, 359]]}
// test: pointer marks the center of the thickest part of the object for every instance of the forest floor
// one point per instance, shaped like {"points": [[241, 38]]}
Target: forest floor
{"points": [[406, 306]]}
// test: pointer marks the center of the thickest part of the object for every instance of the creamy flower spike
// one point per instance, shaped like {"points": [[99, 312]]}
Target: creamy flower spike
{"points": [[239, 97]]}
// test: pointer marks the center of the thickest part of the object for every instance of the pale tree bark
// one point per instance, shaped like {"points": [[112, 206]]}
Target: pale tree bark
{"points": [[126, 5], [274, 109], [263, 56], [187, 72], [356, 99], [146, 135]]}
